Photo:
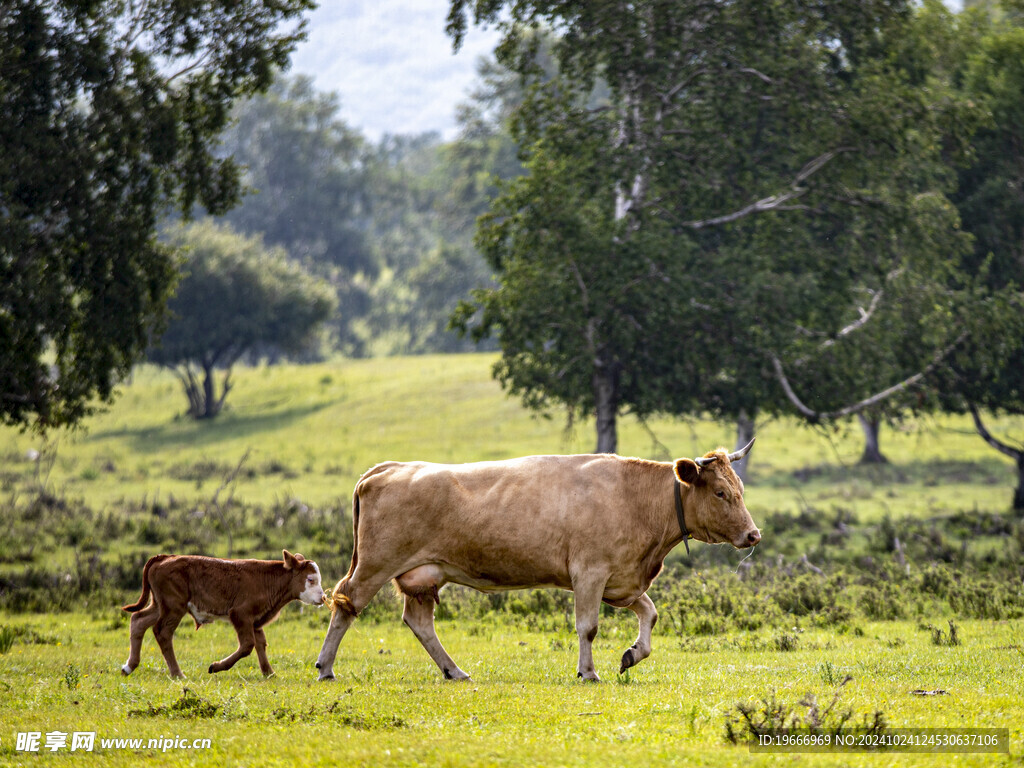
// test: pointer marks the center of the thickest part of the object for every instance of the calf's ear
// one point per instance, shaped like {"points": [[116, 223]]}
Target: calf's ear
{"points": [[687, 471], [289, 560]]}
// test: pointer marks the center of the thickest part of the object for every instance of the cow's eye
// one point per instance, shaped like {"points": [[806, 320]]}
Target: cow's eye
{"points": [[720, 494]]}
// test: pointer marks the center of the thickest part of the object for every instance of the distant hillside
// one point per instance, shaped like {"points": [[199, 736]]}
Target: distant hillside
{"points": [[308, 432]]}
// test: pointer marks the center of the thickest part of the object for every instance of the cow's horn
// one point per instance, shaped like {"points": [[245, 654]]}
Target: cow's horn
{"points": [[704, 461], [737, 455]]}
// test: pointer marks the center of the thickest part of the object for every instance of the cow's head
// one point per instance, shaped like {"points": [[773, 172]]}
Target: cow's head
{"points": [[305, 573], [715, 499]]}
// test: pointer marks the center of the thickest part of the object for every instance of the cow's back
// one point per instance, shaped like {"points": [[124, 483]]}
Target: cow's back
{"points": [[505, 524]]}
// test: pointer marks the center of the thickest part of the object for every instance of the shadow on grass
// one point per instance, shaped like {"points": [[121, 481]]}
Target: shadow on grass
{"points": [[229, 425], [931, 472]]}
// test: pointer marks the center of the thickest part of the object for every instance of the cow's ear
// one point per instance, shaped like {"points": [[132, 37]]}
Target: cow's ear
{"points": [[289, 560], [687, 471]]}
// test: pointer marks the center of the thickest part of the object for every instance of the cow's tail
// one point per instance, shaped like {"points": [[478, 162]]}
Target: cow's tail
{"points": [[144, 599], [339, 600]]}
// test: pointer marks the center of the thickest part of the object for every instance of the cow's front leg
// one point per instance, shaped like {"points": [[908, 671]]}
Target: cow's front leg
{"points": [[588, 590], [246, 643], [350, 597], [647, 616]]}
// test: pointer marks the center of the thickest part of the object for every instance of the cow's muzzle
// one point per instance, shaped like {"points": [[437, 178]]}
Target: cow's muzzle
{"points": [[750, 539]]}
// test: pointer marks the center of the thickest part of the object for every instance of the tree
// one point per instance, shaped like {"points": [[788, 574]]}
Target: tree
{"points": [[990, 373], [109, 113], [769, 161], [427, 195], [573, 305], [308, 178], [236, 298]]}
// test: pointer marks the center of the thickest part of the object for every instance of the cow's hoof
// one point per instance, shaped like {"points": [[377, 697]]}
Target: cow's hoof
{"points": [[211, 670], [329, 678], [126, 670], [590, 677], [455, 674], [627, 661]]}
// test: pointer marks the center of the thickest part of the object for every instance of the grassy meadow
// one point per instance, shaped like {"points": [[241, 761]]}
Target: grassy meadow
{"points": [[844, 609]]}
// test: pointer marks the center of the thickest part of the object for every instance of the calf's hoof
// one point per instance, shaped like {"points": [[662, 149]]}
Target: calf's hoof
{"points": [[589, 677], [126, 670], [627, 661], [328, 678]]}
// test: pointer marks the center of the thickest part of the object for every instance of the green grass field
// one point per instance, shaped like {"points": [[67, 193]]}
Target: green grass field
{"points": [[389, 705], [308, 432], [76, 523]]}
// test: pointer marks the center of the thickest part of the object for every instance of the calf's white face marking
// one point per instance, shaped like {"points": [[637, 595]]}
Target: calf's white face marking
{"points": [[313, 594]]}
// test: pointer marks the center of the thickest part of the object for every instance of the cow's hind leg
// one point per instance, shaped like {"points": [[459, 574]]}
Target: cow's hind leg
{"points": [[141, 621], [647, 616], [351, 595], [419, 586], [246, 643], [588, 588]]}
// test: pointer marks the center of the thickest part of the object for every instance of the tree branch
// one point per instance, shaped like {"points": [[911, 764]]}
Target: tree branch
{"points": [[849, 410], [773, 202], [1014, 453], [865, 316]]}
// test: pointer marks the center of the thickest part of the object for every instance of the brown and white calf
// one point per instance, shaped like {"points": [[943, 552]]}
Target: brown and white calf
{"points": [[247, 593]]}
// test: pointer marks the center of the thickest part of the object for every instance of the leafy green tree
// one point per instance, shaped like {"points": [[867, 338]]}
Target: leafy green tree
{"points": [[309, 189], [427, 195], [109, 113], [990, 373], [236, 298], [769, 161]]}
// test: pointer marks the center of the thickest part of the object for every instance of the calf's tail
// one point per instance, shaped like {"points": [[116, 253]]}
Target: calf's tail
{"points": [[144, 599], [339, 600]]}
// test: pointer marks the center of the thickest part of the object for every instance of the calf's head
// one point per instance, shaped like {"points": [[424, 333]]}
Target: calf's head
{"points": [[305, 575], [715, 499]]}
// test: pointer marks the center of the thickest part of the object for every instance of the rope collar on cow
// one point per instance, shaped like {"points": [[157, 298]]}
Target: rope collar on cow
{"points": [[678, 493]]}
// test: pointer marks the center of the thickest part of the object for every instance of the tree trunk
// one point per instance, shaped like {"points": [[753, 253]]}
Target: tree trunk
{"points": [[1015, 453], [210, 404], [606, 401], [1018, 495], [872, 453], [744, 434]]}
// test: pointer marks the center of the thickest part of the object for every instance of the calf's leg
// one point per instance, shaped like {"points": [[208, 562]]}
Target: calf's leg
{"points": [[163, 630], [647, 616], [419, 616], [141, 621], [246, 642], [261, 652]]}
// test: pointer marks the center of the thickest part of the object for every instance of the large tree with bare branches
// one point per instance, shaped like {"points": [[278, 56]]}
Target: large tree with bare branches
{"points": [[762, 180], [109, 115]]}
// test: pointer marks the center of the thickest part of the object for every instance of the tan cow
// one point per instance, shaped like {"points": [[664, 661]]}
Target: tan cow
{"points": [[599, 525], [248, 593]]}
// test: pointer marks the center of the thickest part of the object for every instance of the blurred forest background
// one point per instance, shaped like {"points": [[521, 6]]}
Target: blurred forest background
{"points": [[740, 211]]}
